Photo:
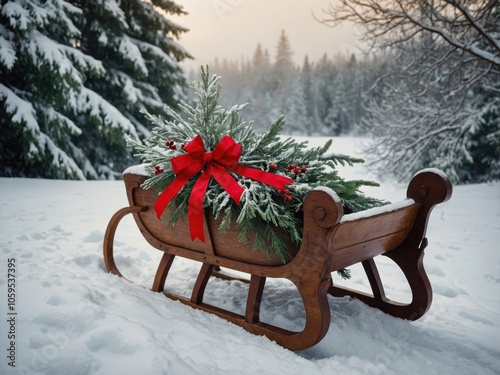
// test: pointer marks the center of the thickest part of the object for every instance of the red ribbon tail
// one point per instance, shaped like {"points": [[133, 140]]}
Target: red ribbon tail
{"points": [[168, 194], [275, 180], [225, 158], [195, 206], [224, 178]]}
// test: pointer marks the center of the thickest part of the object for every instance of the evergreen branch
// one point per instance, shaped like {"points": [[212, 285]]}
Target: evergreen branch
{"points": [[263, 214]]}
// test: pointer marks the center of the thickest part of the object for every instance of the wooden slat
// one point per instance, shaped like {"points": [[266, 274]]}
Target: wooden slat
{"points": [[162, 272], [201, 283], [374, 279], [358, 252], [350, 233], [254, 298]]}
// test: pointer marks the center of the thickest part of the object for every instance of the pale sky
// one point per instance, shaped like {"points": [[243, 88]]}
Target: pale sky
{"points": [[233, 28]]}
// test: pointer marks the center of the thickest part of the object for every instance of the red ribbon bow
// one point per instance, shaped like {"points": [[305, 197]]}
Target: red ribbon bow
{"points": [[217, 163]]}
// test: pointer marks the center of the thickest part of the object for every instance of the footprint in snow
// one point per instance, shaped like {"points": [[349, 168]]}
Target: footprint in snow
{"points": [[492, 279], [39, 236], [56, 300], [475, 318], [83, 261], [94, 237]]}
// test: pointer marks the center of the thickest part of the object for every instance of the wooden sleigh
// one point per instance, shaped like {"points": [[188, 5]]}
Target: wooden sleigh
{"points": [[331, 241]]}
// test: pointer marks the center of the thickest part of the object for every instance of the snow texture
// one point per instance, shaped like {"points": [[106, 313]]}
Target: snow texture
{"points": [[130, 51], [116, 12], [44, 50], [155, 51], [330, 192], [95, 105], [54, 116], [24, 111], [75, 318], [7, 50], [378, 210], [139, 169], [19, 17], [60, 159], [433, 170]]}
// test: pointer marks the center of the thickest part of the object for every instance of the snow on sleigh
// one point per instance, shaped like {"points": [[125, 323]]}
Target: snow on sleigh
{"points": [[331, 241]]}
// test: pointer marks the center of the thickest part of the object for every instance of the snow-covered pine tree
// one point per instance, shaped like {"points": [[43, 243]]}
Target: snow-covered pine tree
{"points": [[134, 39], [323, 76], [337, 93], [306, 81], [42, 90], [259, 86], [66, 109], [299, 122], [265, 112], [258, 58], [283, 72], [261, 68]]}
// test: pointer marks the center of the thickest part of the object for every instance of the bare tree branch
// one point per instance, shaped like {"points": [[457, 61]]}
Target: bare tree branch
{"points": [[394, 20], [440, 84]]}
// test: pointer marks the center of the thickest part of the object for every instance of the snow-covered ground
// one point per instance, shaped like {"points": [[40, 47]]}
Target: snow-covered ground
{"points": [[75, 318]]}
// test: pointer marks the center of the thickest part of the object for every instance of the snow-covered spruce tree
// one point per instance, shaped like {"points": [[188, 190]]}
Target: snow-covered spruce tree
{"points": [[324, 74], [57, 120], [296, 111], [135, 41], [42, 90], [306, 81], [283, 72], [262, 209]]}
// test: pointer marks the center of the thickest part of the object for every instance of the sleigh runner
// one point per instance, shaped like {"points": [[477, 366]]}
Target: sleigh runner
{"points": [[331, 241]]}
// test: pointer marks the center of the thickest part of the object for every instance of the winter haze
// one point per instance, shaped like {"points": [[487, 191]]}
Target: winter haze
{"points": [[233, 28]]}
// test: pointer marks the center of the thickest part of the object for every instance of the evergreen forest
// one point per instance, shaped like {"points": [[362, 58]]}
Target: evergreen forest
{"points": [[318, 98], [74, 76]]}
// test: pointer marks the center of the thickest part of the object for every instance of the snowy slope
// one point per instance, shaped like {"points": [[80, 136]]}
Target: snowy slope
{"points": [[75, 318]]}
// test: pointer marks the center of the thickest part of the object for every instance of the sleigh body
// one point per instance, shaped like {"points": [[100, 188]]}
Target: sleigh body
{"points": [[331, 241]]}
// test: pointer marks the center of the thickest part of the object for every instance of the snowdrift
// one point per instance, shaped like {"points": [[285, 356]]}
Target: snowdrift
{"points": [[72, 317]]}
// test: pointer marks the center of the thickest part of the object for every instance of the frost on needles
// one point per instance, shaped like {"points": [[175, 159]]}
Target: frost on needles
{"points": [[264, 212]]}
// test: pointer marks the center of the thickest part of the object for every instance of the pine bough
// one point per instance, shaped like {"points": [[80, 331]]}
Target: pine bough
{"points": [[263, 210]]}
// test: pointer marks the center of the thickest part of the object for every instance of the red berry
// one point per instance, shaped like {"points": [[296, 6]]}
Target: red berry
{"points": [[303, 169], [158, 170], [279, 191], [289, 198], [273, 166], [296, 170], [287, 191], [174, 147]]}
